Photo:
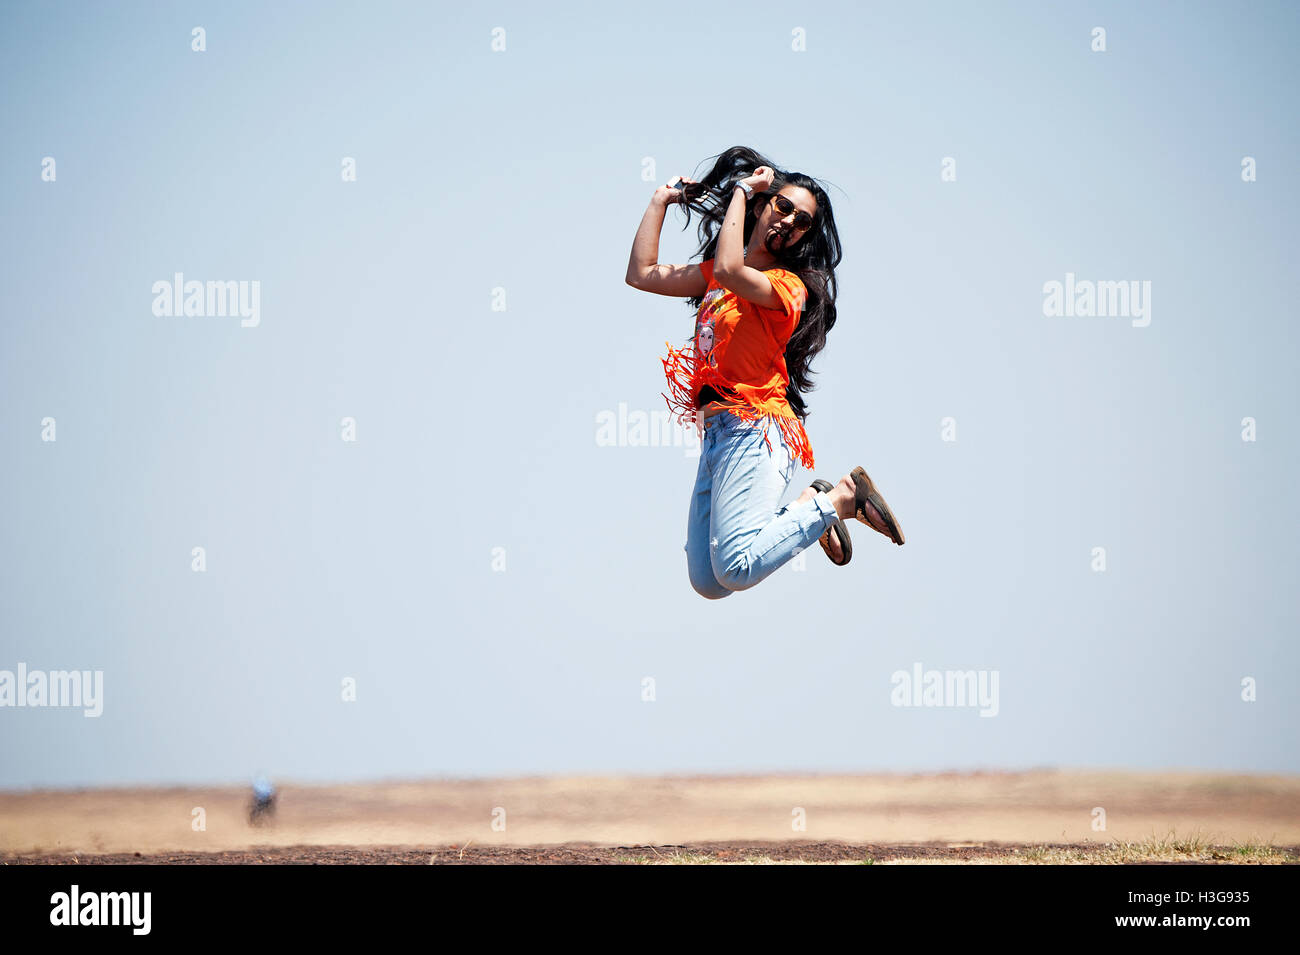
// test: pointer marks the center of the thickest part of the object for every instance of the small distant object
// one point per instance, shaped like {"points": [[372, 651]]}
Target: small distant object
{"points": [[262, 808]]}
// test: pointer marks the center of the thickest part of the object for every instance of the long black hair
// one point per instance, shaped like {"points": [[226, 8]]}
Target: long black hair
{"points": [[813, 258]]}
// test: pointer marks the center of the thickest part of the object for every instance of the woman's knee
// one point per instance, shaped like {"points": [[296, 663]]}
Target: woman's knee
{"points": [[710, 589], [705, 583], [734, 574]]}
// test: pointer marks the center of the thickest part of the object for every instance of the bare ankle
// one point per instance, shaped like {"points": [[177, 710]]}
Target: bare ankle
{"points": [[844, 497]]}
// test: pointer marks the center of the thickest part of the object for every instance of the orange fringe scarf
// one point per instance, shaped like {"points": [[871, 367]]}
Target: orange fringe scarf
{"points": [[687, 375]]}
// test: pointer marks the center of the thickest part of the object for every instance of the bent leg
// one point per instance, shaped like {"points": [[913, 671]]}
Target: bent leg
{"points": [[754, 539]]}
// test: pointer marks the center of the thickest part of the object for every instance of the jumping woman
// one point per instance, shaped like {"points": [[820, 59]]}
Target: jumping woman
{"points": [[764, 299]]}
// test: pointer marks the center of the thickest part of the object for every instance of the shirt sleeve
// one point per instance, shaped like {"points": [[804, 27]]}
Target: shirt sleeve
{"points": [[790, 289]]}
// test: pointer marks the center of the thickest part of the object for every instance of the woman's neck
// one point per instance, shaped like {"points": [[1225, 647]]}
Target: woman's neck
{"points": [[760, 259]]}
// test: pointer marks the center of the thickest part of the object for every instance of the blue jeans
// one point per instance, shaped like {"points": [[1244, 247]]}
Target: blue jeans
{"points": [[735, 535]]}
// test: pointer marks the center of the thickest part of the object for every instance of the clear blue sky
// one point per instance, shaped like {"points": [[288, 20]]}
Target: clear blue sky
{"points": [[521, 170]]}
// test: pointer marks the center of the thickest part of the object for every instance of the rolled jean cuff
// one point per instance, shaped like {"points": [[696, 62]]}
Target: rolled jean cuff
{"points": [[824, 505]]}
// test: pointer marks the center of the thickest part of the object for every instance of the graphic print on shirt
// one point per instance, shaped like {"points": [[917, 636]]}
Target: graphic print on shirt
{"points": [[704, 334]]}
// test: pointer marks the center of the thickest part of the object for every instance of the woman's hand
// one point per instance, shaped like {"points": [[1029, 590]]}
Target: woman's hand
{"points": [[761, 178], [667, 195]]}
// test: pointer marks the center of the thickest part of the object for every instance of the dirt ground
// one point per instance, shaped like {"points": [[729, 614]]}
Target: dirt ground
{"points": [[822, 853], [1029, 816], [545, 855]]}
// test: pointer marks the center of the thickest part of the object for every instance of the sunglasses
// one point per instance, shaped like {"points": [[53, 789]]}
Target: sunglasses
{"points": [[784, 207]]}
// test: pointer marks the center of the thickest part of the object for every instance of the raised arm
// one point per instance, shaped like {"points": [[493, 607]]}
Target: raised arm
{"points": [[729, 268], [644, 271]]}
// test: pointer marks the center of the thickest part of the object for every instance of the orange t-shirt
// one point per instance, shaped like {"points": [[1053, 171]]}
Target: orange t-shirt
{"points": [[740, 347]]}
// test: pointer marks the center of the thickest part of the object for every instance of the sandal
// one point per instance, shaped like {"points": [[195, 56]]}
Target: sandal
{"points": [[867, 495], [838, 529]]}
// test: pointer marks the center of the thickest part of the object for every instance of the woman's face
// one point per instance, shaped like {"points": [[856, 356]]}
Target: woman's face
{"points": [[778, 229]]}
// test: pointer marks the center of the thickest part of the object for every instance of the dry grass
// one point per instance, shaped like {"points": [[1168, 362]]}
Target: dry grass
{"points": [[1156, 849]]}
